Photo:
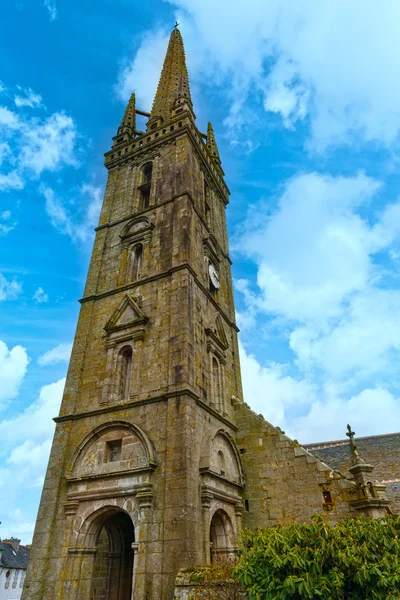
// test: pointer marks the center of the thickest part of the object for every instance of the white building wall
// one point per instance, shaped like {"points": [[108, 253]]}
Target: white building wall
{"points": [[11, 587]]}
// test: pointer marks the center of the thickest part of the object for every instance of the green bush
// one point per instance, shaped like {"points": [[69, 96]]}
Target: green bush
{"points": [[355, 559]]}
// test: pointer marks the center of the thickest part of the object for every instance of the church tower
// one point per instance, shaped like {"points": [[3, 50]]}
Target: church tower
{"points": [[144, 477], [156, 460]]}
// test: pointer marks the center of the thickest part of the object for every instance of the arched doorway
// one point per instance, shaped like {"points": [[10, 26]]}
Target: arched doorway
{"points": [[222, 538], [113, 563]]}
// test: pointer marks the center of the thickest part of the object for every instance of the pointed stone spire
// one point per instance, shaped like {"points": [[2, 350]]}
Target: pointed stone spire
{"points": [[212, 144], [174, 80], [128, 123]]}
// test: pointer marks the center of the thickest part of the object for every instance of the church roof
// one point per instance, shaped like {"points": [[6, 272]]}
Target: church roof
{"points": [[11, 559], [174, 80], [381, 451]]}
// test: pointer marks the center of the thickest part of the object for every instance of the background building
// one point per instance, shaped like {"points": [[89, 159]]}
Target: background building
{"points": [[13, 563]]}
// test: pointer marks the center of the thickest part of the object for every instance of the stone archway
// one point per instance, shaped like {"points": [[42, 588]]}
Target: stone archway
{"points": [[113, 564], [222, 537]]}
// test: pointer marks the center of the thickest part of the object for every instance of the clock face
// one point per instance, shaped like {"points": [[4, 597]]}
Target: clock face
{"points": [[214, 277]]}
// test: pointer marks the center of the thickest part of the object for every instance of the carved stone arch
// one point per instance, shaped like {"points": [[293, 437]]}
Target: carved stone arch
{"points": [[138, 229], [222, 535], [93, 522], [107, 537], [146, 461], [209, 460], [148, 157]]}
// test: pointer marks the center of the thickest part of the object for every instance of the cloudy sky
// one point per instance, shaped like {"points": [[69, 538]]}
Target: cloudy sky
{"points": [[305, 101]]}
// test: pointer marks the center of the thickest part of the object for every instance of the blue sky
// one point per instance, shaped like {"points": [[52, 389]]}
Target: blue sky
{"points": [[305, 103]]}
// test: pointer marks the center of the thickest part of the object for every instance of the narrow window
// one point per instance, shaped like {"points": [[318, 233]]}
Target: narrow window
{"points": [[207, 211], [147, 174], [221, 462], [137, 261], [125, 372], [327, 497], [246, 505], [216, 382], [114, 450]]}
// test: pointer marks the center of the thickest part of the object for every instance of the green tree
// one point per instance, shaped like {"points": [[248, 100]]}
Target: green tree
{"points": [[355, 559]]}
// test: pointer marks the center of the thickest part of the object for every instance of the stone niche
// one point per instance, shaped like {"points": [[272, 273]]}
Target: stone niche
{"points": [[116, 454], [116, 449], [221, 473]]}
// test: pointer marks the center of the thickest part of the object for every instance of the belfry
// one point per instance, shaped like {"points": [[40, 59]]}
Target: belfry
{"points": [[156, 461]]}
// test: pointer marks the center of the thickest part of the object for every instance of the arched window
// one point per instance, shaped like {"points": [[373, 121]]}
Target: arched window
{"points": [[216, 381], [222, 537], [147, 173], [137, 261], [221, 462], [125, 372]]}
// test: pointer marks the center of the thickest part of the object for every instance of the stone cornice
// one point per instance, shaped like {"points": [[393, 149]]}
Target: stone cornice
{"points": [[133, 403], [148, 142], [150, 209], [168, 273]]}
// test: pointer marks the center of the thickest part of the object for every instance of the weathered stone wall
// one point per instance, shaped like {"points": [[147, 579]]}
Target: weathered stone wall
{"points": [[284, 482]]}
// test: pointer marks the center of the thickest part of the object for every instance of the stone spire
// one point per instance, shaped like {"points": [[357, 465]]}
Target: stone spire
{"points": [[212, 144], [174, 81], [128, 123]]}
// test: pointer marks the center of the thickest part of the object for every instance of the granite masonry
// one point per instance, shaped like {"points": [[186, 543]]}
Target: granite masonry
{"points": [[157, 462]]}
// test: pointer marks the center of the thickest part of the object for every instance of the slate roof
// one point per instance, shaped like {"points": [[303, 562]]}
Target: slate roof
{"points": [[381, 451], [14, 560]]}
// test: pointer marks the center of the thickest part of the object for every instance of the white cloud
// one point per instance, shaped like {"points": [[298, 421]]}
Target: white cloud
{"points": [[59, 353], [333, 62], [52, 9], [6, 224], [313, 250], [371, 412], [311, 414], [78, 227], [40, 296], [11, 181], [13, 366], [31, 145], [270, 390], [141, 76], [49, 145], [29, 98], [26, 441], [8, 120], [5, 151], [327, 288], [9, 290], [35, 422]]}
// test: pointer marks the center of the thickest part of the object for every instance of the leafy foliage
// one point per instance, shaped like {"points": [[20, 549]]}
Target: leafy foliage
{"points": [[355, 559]]}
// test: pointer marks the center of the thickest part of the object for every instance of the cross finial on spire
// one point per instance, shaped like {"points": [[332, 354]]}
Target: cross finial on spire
{"points": [[176, 25], [350, 434]]}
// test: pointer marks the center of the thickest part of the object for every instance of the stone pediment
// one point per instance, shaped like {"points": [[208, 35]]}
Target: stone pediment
{"points": [[136, 230], [127, 316], [216, 332]]}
